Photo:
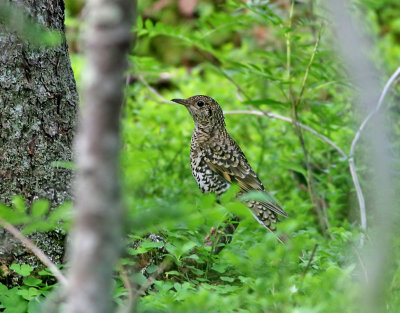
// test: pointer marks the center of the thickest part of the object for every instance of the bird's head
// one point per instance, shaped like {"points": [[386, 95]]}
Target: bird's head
{"points": [[205, 111]]}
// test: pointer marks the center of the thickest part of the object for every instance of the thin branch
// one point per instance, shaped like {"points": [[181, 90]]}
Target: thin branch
{"points": [[325, 211], [259, 113], [289, 120], [151, 279], [354, 47], [372, 113], [310, 259], [216, 65], [362, 264], [238, 88], [289, 51], [303, 84], [353, 171], [295, 104], [295, 117], [153, 90], [36, 251], [127, 308]]}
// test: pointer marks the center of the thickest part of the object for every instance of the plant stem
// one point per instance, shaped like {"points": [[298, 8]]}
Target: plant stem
{"points": [[295, 117], [36, 251]]}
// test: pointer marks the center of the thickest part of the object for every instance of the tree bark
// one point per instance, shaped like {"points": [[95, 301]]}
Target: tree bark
{"points": [[38, 104], [96, 238]]}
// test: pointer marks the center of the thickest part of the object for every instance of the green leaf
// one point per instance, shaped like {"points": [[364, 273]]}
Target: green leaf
{"points": [[173, 273], [6, 212], [151, 269], [139, 22], [36, 305], [23, 270], [61, 212], [188, 246], [12, 302], [193, 257], [151, 244], [220, 268], [173, 250], [148, 24], [38, 226], [19, 204], [163, 285], [40, 207], [31, 281], [139, 278], [177, 287], [294, 167], [227, 279], [196, 271], [45, 272], [137, 251], [29, 293]]}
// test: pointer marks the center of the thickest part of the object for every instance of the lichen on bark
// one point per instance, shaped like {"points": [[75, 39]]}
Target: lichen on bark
{"points": [[38, 106]]}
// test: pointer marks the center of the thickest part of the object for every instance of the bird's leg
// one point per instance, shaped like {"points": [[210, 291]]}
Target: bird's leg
{"points": [[219, 237]]}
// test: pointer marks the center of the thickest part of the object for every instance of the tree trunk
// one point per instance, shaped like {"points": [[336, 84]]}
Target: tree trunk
{"points": [[38, 104], [97, 236]]}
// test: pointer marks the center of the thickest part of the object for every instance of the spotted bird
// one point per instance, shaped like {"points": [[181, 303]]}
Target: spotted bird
{"points": [[217, 161]]}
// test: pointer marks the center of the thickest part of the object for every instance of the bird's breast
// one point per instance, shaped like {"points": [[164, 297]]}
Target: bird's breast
{"points": [[206, 178]]}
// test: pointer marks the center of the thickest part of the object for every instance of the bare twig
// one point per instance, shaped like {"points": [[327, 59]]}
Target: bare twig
{"points": [[295, 117], [153, 90], [353, 171], [362, 264], [310, 180], [303, 84], [310, 259], [164, 264], [289, 51], [36, 251], [238, 88], [289, 120], [259, 113], [297, 129], [324, 209], [127, 308], [215, 64], [384, 199]]}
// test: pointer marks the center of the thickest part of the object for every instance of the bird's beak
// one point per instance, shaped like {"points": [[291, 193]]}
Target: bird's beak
{"points": [[181, 101]]}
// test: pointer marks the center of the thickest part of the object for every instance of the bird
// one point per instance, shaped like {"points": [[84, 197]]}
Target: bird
{"points": [[217, 160]]}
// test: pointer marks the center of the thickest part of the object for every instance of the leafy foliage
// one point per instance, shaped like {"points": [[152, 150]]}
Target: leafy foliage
{"points": [[247, 55], [30, 295], [252, 54], [37, 218]]}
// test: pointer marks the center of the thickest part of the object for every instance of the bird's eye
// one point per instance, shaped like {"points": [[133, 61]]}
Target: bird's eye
{"points": [[200, 103]]}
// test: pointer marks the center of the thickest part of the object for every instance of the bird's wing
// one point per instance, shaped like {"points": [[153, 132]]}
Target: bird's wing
{"points": [[229, 161]]}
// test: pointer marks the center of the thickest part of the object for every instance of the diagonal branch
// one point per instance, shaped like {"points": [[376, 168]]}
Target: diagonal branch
{"points": [[153, 90], [289, 120], [259, 113], [353, 171], [135, 294], [36, 251]]}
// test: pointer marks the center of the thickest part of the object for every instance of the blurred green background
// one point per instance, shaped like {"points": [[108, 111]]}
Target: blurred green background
{"points": [[248, 55]]}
